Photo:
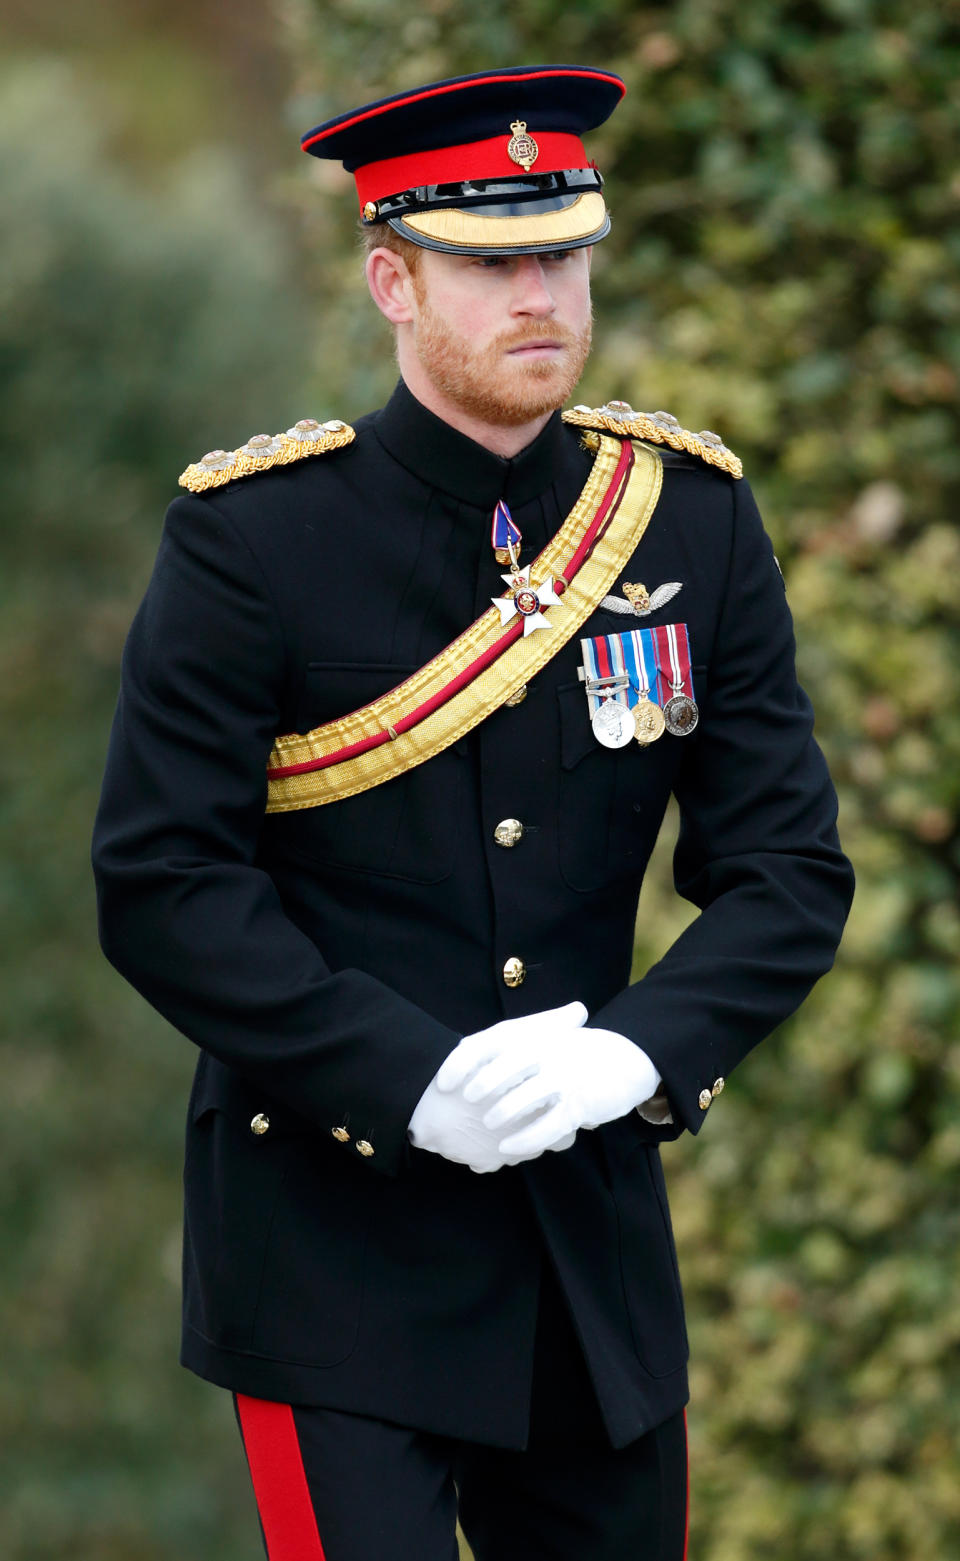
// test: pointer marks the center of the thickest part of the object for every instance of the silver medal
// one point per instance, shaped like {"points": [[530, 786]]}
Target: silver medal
{"points": [[613, 724], [680, 715]]}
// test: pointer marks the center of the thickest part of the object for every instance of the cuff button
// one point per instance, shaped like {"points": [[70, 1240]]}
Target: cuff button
{"points": [[718, 1086], [364, 1147], [705, 1099], [341, 1135], [260, 1124]]}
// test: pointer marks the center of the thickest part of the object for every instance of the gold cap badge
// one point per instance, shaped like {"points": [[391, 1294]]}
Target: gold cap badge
{"points": [[522, 148]]}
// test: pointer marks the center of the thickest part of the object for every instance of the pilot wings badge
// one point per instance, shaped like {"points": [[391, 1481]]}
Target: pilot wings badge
{"points": [[640, 602]]}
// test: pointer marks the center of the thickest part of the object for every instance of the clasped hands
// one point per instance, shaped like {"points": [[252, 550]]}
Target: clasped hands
{"points": [[523, 1086]]}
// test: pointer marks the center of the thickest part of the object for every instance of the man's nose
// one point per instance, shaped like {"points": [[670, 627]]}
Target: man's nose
{"points": [[532, 293]]}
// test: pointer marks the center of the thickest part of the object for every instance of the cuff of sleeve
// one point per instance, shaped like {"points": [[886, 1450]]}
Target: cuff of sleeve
{"points": [[657, 1110]]}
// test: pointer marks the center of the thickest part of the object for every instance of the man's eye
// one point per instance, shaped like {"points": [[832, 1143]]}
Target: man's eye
{"points": [[490, 260]]}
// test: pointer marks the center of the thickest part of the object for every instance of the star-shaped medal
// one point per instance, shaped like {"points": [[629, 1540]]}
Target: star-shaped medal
{"points": [[527, 600]]}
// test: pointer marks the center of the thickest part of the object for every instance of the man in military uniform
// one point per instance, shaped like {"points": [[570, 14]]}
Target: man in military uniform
{"points": [[400, 716]]}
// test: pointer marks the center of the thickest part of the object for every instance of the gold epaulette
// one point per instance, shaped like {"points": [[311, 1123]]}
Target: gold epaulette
{"points": [[618, 417], [308, 437]]}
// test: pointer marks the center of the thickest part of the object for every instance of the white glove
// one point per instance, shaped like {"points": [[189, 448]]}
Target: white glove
{"points": [[447, 1126], [445, 1123], [572, 1078]]}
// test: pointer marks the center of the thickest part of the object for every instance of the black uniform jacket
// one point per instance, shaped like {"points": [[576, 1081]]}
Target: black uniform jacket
{"points": [[326, 960]]}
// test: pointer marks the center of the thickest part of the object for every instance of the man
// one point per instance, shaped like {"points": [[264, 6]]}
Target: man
{"points": [[398, 725]]}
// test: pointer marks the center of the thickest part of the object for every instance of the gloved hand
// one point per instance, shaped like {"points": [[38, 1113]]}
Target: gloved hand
{"points": [[448, 1126], [445, 1123], [572, 1078]]}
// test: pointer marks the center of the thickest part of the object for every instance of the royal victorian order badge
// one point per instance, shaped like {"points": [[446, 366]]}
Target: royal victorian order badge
{"points": [[527, 600]]}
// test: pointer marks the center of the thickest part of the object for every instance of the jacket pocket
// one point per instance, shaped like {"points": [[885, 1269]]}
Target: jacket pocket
{"points": [[611, 801], [275, 1232]]}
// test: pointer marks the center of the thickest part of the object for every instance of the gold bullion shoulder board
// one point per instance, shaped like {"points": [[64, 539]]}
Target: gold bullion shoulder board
{"points": [[261, 451], [618, 417]]}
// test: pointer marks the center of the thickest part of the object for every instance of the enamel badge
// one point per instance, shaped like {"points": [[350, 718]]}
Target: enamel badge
{"points": [[522, 149], [527, 600]]}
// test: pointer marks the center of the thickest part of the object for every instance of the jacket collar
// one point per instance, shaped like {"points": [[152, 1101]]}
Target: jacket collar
{"points": [[444, 458]]}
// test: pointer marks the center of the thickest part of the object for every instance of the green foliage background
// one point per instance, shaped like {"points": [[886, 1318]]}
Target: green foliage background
{"points": [[785, 180]]}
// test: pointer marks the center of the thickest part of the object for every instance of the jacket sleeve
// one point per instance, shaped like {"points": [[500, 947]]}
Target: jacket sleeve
{"points": [[185, 914], [758, 851]]}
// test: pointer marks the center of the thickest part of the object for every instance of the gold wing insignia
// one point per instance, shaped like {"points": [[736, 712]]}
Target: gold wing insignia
{"points": [[618, 417], [308, 437]]}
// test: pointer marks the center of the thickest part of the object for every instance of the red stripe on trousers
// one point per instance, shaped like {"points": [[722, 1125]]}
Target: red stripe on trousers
{"points": [[279, 1482], [686, 1531]]}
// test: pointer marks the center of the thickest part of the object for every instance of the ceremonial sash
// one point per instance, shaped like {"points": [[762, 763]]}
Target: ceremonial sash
{"points": [[485, 665]]}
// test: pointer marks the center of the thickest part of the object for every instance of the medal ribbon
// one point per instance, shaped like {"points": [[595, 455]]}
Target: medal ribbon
{"points": [[504, 531], [672, 648]]}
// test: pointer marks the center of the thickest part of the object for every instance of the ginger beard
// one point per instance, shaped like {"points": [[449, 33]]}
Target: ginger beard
{"points": [[488, 384]]}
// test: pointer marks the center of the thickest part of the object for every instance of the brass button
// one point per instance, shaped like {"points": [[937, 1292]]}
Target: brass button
{"points": [[514, 971], [341, 1135], [508, 832], [718, 1086], [370, 212], [518, 697], [259, 1124], [364, 1148], [705, 1099]]}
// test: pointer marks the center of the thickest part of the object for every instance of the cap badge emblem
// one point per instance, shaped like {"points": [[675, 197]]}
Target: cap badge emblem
{"points": [[522, 148]]}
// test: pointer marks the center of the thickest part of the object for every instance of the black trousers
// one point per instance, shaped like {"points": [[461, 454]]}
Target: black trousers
{"points": [[338, 1487]]}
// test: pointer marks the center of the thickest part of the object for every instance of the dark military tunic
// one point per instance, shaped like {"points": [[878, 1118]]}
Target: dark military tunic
{"points": [[326, 960]]}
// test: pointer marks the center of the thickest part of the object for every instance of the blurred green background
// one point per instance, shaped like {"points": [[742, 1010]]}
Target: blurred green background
{"points": [[783, 267]]}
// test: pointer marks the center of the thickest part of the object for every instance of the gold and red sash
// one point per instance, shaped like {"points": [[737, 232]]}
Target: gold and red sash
{"points": [[485, 665]]}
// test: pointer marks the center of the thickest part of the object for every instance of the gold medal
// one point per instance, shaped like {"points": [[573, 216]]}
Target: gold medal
{"points": [[648, 720]]}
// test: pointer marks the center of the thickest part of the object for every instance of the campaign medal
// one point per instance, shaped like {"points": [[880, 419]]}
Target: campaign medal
{"points": [[613, 723], [680, 711], [505, 536], [607, 680], [527, 600]]}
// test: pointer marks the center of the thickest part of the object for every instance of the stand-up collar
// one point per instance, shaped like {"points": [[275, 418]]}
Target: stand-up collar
{"points": [[441, 456]]}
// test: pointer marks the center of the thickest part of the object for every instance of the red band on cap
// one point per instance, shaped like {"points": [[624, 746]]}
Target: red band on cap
{"points": [[474, 160]]}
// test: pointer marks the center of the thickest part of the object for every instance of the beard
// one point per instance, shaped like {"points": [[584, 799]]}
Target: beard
{"points": [[486, 384]]}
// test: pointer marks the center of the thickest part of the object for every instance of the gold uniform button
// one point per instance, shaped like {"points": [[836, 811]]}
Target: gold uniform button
{"points": [[508, 832], [259, 1124], [341, 1135], [364, 1148], [718, 1086], [518, 697], [514, 971], [705, 1099]]}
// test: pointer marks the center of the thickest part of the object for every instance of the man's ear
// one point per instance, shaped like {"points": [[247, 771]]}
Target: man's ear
{"points": [[391, 285]]}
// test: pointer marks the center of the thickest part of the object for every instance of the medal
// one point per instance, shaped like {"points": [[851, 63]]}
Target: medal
{"points": [[680, 711], [640, 663], [527, 600], [648, 721], [680, 715], [613, 724]]}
